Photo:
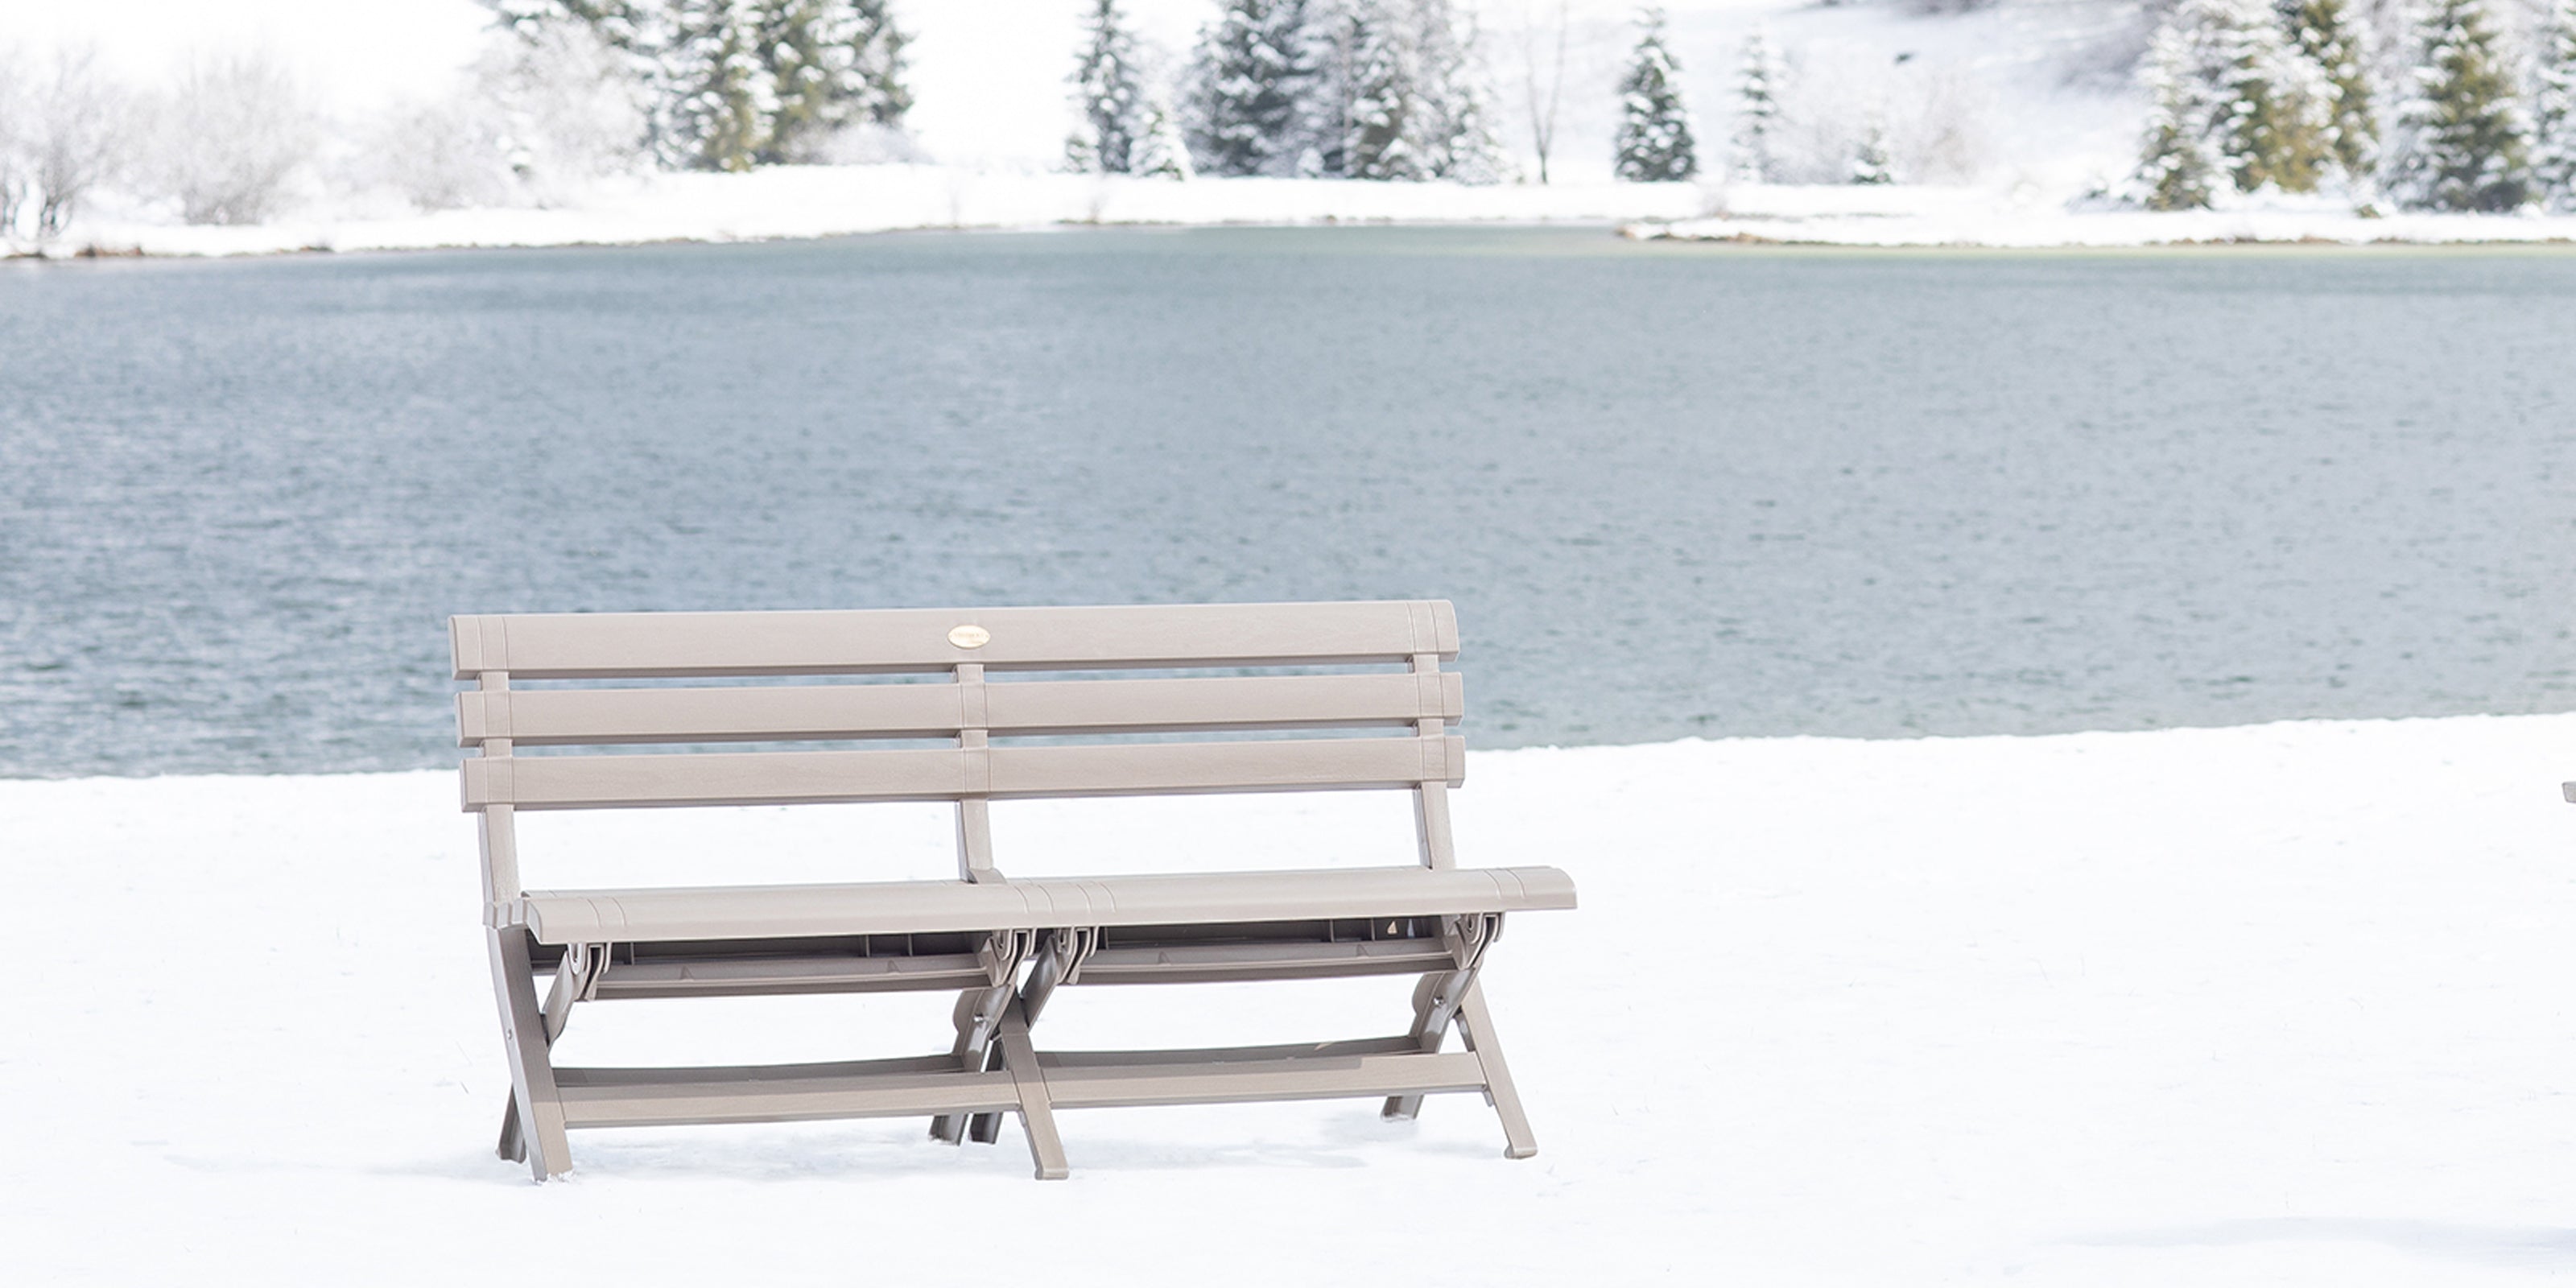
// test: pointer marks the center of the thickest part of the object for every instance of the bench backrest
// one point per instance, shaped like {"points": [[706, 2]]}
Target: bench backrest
{"points": [[965, 708]]}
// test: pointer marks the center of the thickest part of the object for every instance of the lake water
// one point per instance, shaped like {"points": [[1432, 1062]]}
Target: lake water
{"points": [[1675, 490]]}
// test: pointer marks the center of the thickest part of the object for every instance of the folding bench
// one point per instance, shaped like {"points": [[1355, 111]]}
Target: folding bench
{"points": [[1368, 670]]}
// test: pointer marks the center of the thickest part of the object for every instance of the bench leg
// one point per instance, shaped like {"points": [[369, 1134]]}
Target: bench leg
{"points": [[1037, 1111], [567, 989], [1428, 1030], [1476, 1025], [537, 1107]]}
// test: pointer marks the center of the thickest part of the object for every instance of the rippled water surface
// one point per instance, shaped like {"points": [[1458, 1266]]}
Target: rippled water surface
{"points": [[1674, 490]]}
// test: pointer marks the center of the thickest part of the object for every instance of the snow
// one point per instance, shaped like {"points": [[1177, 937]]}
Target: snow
{"points": [[819, 201], [2280, 1004], [1926, 215]]}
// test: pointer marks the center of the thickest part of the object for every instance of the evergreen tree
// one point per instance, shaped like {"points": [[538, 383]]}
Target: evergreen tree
{"points": [[1381, 137], [1331, 45], [1455, 129], [877, 63], [1757, 110], [2235, 105], [1109, 91], [1249, 85], [832, 64], [2553, 109], [2183, 164], [721, 95], [733, 82], [1654, 143], [1162, 152], [808, 71], [1871, 163], [2462, 141], [2324, 31]]}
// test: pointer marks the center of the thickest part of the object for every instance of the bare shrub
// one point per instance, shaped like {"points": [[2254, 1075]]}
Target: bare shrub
{"points": [[232, 132], [78, 128], [560, 106], [16, 178], [444, 155]]}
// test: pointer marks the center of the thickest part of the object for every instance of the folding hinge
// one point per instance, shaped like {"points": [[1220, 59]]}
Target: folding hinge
{"points": [[1467, 937], [1003, 951], [589, 963], [1074, 946]]}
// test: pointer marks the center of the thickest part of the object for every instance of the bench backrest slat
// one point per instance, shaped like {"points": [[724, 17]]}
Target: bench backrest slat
{"points": [[609, 645], [568, 717], [935, 774], [1090, 691]]}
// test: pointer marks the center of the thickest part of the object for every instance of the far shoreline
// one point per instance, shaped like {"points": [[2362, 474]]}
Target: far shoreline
{"points": [[805, 203]]}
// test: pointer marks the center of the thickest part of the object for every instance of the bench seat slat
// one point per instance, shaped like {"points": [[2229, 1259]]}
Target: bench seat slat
{"points": [[561, 717], [914, 907], [934, 774], [606, 645]]}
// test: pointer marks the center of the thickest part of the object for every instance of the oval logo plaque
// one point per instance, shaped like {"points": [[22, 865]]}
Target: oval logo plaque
{"points": [[969, 636]]}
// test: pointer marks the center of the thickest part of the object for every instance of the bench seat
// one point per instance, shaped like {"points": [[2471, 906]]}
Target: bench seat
{"points": [[924, 907]]}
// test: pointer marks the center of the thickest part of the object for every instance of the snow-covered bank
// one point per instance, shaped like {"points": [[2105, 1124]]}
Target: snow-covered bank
{"points": [[823, 201], [1969, 216], [2279, 1004]]}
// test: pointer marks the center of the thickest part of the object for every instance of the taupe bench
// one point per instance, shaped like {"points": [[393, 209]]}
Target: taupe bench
{"points": [[1371, 670]]}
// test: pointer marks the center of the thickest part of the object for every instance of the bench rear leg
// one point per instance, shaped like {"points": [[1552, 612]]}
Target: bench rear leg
{"points": [[977, 1017], [536, 1106]]}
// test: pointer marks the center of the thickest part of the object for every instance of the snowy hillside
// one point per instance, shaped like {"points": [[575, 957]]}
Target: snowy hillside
{"points": [[2271, 1005]]}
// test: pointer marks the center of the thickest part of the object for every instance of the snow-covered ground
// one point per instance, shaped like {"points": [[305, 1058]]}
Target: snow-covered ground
{"points": [[2284, 1004], [821, 201], [1922, 215]]}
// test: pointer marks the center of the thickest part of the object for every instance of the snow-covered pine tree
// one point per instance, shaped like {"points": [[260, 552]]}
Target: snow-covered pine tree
{"points": [[2461, 141], [832, 64], [2188, 112], [807, 60], [1109, 93], [2325, 32], [876, 60], [1455, 132], [721, 95], [2285, 136], [1162, 152], [1331, 45], [1757, 110], [1871, 163], [1248, 89], [1654, 143], [2553, 109], [2235, 104], [1381, 139]]}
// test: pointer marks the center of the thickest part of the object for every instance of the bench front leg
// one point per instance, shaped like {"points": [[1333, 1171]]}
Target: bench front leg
{"points": [[572, 983], [535, 1103]]}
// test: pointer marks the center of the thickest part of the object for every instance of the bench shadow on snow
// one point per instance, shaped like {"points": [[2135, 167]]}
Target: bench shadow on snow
{"points": [[2489, 1245]]}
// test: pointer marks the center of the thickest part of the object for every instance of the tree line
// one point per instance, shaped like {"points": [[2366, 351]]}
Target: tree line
{"points": [[2277, 95]]}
